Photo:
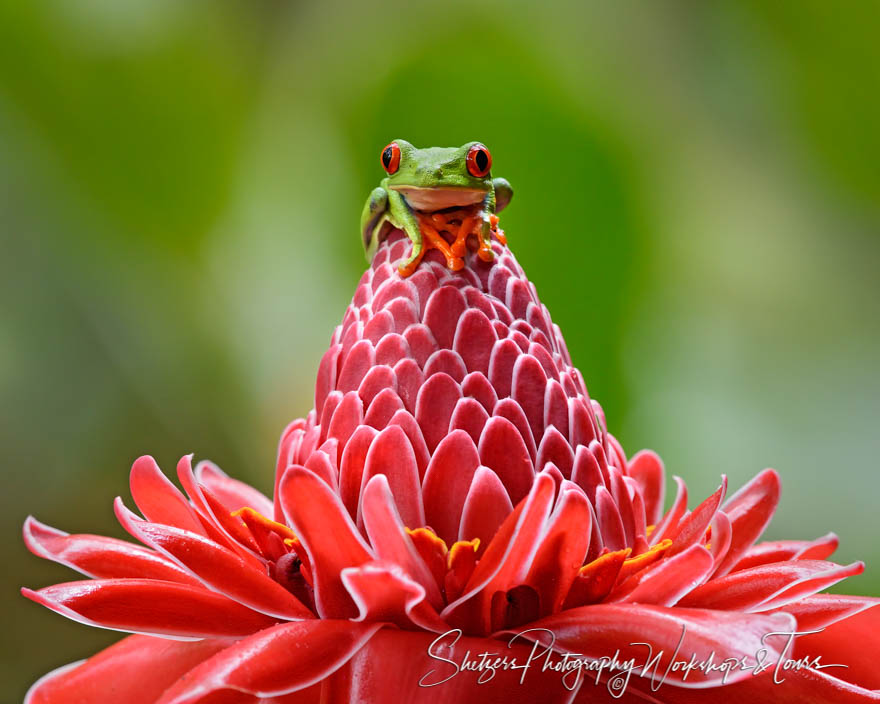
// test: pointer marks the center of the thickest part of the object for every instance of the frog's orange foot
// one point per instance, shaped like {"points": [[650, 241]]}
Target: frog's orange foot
{"points": [[485, 252], [455, 264], [497, 231]]}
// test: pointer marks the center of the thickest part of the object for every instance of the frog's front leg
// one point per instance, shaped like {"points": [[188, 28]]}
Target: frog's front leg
{"points": [[402, 216], [373, 217]]}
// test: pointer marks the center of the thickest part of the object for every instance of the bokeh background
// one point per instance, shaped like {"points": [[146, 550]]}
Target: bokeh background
{"points": [[697, 200]]}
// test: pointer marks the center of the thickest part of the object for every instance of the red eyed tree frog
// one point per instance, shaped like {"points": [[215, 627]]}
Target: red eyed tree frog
{"points": [[427, 190]]}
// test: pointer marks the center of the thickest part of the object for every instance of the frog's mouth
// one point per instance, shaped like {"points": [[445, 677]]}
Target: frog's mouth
{"points": [[431, 199]]}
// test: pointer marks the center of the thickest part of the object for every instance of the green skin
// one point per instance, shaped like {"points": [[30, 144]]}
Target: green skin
{"points": [[428, 180]]}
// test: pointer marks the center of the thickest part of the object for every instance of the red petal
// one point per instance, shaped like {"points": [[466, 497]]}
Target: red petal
{"points": [[507, 558], [150, 606], [750, 510], [218, 568], [99, 557], [330, 538], [693, 528], [669, 523], [603, 629], [158, 499], [667, 581], [231, 492], [782, 550], [383, 592], [851, 641], [769, 586], [279, 660], [390, 540], [822, 610], [150, 665], [562, 549]]}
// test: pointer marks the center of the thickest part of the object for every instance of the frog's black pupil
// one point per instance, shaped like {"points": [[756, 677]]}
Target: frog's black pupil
{"points": [[482, 160], [386, 157]]}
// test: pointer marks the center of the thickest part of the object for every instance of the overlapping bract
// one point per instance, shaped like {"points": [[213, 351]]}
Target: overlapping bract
{"points": [[454, 474]]}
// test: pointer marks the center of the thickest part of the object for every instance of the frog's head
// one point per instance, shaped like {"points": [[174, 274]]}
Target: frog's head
{"points": [[436, 178]]}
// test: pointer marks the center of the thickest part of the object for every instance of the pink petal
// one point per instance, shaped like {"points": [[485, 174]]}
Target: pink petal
{"points": [[477, 386], [347, 416], [351, 469], [150, 606], [502, 358], [474, 339], [555, 448], [647, 469], [330, 538], [485, 508], [404, 419], [502, 450], [528, 387], [586, 473], [442, 312], [447, 481], [434, 406], [150, 665], [274, 661], [357, 363], [469, 416], [218, 568], [392, 455], [99, 557], [608, 521], [447, 362]]}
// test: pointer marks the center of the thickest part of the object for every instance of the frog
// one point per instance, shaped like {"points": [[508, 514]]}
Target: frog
{"points": [[425, 190]]}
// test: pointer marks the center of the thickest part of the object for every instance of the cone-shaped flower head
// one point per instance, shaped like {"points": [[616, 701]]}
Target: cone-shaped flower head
{"points": [[454, 489]]}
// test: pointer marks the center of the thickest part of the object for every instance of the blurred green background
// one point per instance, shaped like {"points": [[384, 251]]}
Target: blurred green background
{"points": [[697, 201]]}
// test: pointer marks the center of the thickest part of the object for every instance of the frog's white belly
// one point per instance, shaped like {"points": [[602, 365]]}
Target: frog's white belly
{"points": [[438, 198]]}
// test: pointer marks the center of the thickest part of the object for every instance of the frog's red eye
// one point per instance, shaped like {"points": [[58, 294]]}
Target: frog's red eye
{"points": [[479, 160], [391, 158]]}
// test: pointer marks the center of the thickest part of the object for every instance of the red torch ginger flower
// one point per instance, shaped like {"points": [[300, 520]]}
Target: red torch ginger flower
{"points": [[454, 492]]}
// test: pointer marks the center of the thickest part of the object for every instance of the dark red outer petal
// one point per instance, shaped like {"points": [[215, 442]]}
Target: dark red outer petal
{"points": [[150, 606], [279, 660], [150, 665]]}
